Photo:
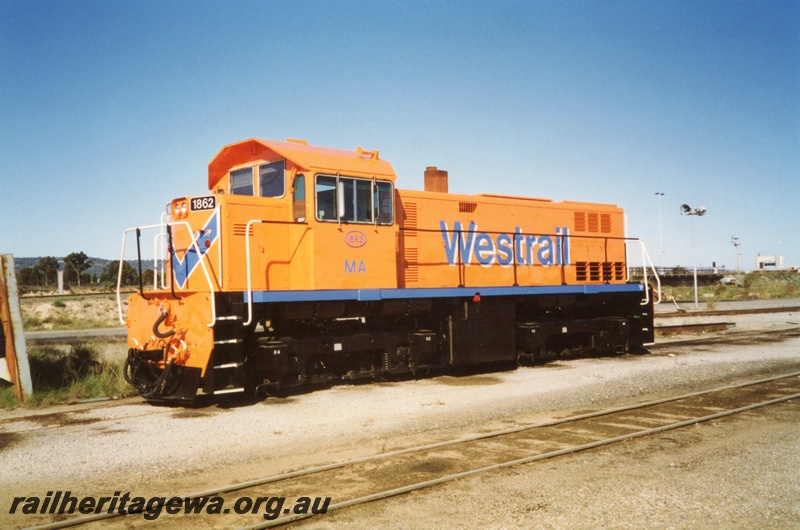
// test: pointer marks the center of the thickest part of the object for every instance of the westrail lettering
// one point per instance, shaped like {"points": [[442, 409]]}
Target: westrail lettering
{"points": [[490, 248]]}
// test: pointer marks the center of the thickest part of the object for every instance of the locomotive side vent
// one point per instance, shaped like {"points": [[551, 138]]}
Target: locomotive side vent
{"points": [[412, 264], [580, 221], [606, 271], [467, 207], [605, 223], [240, 229], [410, 210], [581, 271], [595, 271], [592, 222], [410, 249], [619, 270]]}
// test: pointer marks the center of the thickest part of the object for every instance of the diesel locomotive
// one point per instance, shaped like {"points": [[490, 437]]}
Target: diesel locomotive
{"points": [[306, 264]]}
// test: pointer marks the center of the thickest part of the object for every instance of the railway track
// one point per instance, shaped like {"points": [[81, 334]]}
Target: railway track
{"points": [[381, 476], [694, 328]]}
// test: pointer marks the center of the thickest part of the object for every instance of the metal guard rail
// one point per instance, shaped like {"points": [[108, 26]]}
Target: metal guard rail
{"points": [[626, 240], [645, 260], [201, 261]]}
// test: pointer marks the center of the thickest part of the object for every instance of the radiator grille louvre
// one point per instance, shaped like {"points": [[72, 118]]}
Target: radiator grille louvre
{"points": [[580, 221], [412, 264], [410, 210], [592, 222], [595, 271], [240, 229], [410, 250], [605, 223]]}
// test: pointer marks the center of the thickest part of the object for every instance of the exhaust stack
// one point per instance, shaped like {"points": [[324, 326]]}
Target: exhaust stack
{"points": [[435, 179]]}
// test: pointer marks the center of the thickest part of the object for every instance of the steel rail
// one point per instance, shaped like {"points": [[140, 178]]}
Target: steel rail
{"points": [[705, 326], [510, 463], [493, 434]]}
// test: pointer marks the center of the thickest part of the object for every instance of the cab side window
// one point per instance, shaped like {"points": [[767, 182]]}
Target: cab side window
{"points": [[271, 180], [353, 200], [299, 198], [382, 203], [242, 181], [326, 198]]}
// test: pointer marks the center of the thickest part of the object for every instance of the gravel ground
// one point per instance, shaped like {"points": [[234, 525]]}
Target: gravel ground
{"points": [[740, 472]]}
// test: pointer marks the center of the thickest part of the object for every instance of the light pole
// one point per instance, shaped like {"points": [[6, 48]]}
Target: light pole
{"points": [[735, 241], [687, 210], [660, 232], [60, 278]]}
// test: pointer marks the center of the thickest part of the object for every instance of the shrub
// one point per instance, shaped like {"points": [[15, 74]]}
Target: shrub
{"points": [[53, 368], [60, 377]]}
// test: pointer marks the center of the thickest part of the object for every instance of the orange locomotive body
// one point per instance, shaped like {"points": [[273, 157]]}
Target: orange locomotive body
{"points": [[307, 264]]}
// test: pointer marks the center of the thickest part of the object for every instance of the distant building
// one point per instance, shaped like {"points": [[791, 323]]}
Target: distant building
{"points": [[769, 261]]}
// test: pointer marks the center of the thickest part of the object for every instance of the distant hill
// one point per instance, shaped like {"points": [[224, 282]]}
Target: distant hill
{"points": [[98, 264]]}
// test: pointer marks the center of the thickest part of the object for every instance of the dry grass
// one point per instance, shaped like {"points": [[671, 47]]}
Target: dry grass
{"points": [[65, 313], [753, 286], [74, 374]]}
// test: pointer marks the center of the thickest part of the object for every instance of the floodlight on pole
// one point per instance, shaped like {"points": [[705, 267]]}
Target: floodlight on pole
{"points": [[687, 210], [735, 241]]}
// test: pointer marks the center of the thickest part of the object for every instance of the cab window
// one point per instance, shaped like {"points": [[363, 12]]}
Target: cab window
{"points": [[326, 198], [382, 203], [353, 200], [271, 181], [299, 198], [242, 181]]}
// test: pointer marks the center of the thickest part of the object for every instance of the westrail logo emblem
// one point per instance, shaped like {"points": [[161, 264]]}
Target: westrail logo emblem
{"points": [[355, 239]]}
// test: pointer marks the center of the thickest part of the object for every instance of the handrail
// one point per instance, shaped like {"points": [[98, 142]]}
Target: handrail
{"points": [[645, 260], [557, 237], [652, 267], [160, 237], [139, 262], [200, 257], [560, 236], [157, 267], [122, 262], [247, 260], [170, 246]]}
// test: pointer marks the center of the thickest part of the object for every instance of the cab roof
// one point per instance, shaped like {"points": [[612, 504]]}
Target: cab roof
{"points": [[303, 156]]}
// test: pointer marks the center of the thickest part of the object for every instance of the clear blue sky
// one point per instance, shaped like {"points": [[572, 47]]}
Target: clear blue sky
{"points": [[111, 109]]}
